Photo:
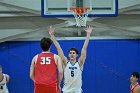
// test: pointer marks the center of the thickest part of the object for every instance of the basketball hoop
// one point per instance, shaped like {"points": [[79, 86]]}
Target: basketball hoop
{"points": [[80, 14]]}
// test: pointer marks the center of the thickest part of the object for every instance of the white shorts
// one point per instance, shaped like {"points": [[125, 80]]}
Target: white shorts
{"points": [[4, 91], [77, 91]]}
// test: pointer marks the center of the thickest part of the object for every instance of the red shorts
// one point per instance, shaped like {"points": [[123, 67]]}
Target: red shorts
{"points": [[40, 88]]}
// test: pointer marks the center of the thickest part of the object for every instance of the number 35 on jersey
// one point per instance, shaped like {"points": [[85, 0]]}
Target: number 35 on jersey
{"points": [[45, 60]]}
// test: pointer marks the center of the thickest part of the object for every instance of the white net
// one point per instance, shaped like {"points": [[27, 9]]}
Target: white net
{"points": [[81, 20]]}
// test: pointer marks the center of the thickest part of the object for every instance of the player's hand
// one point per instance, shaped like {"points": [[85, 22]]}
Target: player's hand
{"points": [[51, 30], [88, 29], [59, 88]]}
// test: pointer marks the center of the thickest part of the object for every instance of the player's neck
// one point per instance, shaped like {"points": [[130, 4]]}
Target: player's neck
{"points": [[46, 51], [73, 61], [134, 83]]}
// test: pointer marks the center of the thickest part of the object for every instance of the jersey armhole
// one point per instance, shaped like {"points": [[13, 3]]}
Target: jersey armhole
{"points": [[81, 66], [35, 59], [55, 59], [6, 78]]}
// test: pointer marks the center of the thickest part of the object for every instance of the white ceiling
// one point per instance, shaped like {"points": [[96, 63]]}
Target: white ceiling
{"points": [[20, 20]]}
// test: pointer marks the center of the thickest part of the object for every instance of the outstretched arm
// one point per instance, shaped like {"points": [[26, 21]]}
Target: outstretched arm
{"points": [[84, 49], [57, 45]]}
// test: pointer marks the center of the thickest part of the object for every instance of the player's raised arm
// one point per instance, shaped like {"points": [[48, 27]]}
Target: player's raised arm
{"points": [[57, 45], [84, 49]]}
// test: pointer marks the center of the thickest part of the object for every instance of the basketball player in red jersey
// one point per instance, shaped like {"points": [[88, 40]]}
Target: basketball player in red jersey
{"points": [[46, 69], [135, 86]]}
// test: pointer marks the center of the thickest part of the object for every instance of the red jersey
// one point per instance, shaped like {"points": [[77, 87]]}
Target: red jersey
{"points": [[45, 69], [132, 89]]}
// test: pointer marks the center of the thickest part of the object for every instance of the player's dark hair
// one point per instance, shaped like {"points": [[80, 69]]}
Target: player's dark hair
{"points": [[45, 43], [73, 49], [135, 74]]}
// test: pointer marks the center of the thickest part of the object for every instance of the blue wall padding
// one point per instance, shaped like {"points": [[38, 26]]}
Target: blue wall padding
{"points": [[107, 69]]}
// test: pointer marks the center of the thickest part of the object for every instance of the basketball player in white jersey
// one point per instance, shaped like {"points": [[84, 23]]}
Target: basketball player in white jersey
{"points": [[4, 79], [72, 67]]}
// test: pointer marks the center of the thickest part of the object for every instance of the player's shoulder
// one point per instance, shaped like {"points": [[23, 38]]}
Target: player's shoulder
{"points": [[6, 75], [137, 88], [56, 56], [35, 57]]}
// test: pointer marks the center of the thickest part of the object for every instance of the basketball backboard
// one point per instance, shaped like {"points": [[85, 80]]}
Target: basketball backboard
{"points": [[61, 8]]}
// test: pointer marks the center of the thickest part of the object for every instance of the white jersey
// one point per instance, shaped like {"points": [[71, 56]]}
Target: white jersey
{"points": [[3, 86], [72, 78]]}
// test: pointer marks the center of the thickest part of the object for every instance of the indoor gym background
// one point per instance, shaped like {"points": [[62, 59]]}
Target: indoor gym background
{"points": [[107, 68], [113, 52]]}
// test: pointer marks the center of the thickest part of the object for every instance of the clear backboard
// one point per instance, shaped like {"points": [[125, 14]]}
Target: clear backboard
{"points": [[61, 8]]}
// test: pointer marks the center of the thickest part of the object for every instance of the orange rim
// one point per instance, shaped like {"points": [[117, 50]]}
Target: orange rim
{"points": [[79, 10]]}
